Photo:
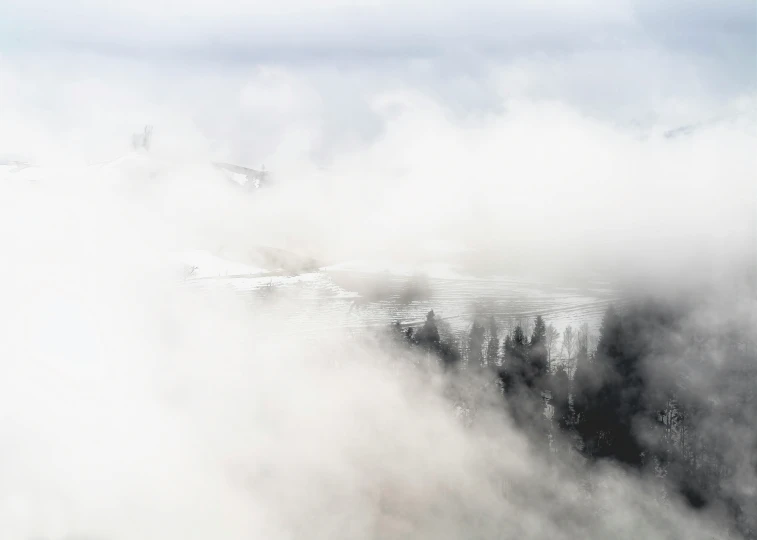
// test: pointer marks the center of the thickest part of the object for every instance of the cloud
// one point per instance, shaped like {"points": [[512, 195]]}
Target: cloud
{"points": [[531, 134], [326, 23], [134, 405], [717, 40], [532, 178]]}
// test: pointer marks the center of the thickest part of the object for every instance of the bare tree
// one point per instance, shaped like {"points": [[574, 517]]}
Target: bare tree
{"points": [[552, 336], [584, 338], [510, 325], [568, 341]]}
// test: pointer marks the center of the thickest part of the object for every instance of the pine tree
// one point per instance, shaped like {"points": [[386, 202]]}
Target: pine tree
{"points": [[519, 355], [507, 350], [539, 336], [608, 419], [492, 347], [583, 383], [552, 336], [449, 355], [476, 345], [428, 336], [568, 342], [560, 388], [610, 342], [537, 354], [397, 334], [510, 372], [515, 371], [429, 339]]}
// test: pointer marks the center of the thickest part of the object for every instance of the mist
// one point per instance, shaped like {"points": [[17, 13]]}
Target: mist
{"points": [[135, 406], [601, 142]]}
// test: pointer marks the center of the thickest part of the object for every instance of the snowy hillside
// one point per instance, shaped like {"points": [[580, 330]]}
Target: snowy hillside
{"points": [[361, 292], [374, 293], [137, 164]]}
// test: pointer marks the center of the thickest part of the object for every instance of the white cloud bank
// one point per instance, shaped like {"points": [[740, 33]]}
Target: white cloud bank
{"points": [[130, 405], [133, 406]]}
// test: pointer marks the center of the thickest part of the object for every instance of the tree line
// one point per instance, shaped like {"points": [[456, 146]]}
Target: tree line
{"points": [[651, 394]]}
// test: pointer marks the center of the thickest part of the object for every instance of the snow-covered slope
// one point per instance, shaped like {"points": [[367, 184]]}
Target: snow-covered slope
{"points": [[367, 293], [245, 177], [363, 292], [138, 165], [203, 264]]}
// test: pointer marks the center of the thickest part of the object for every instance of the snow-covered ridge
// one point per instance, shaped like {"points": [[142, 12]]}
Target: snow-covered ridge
{"points": [[138, 163], [203, 264], [243, 176]]}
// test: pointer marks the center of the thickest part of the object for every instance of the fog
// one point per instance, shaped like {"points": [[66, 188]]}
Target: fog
{"points": [[591, 141], [533, 180], [135, 407]]}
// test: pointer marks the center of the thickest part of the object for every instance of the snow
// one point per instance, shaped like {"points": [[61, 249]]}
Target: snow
{"points": [[455, 298], [206, 265], [430, 270], [452, 294], [239, 178]]}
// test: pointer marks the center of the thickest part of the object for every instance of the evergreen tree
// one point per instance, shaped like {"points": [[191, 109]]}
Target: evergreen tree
{"points": [[401, 336], [526, 405], [560, 389], [476, 345], [519, 355], [539, 336], [552, 336], [514, 352], [608, 419], [507, 350], [449, 355], [568, 342], [492, 347], [583, 383], [428, 336], [610, 342], [537, 354]]}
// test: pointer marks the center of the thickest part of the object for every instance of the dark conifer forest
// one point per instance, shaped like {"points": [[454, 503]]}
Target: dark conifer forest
{"points": [[659, 394]]}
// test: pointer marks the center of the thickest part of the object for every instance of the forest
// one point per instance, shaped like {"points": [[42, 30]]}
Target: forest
{"points": [[660, 392]]}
